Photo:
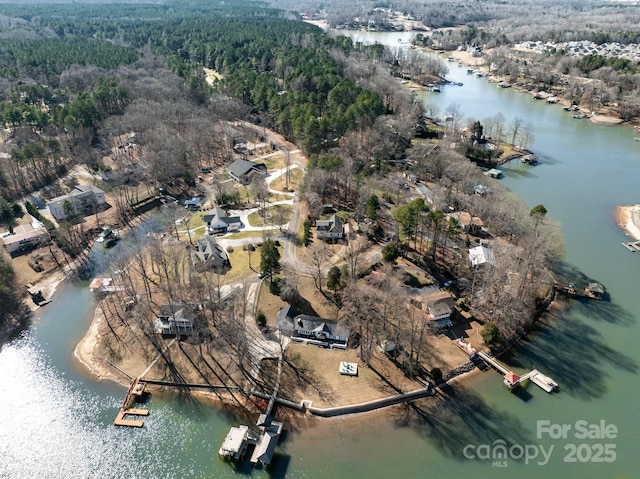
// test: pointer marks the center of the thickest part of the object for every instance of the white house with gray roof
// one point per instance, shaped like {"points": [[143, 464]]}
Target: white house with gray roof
{"points": [[83, 200]]}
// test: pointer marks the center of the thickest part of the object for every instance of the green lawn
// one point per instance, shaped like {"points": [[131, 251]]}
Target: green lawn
{"points": [[295, 178], [275, 216], [274, 162]]}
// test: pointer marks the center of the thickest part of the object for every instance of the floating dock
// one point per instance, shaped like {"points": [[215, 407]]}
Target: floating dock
{"points": [[135, 392], [236, 443], [543, 382], [632, 246]]}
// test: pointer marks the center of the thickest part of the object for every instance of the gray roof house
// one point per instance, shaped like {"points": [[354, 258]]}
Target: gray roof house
{"points": [[243, 171], [311, 329], [331, 228], [209, 255], [218, 221], [175, 320], [439, 314], [83, 200]]}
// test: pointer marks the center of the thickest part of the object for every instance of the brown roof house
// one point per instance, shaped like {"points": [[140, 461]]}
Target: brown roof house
{"points": [[329, 229]]}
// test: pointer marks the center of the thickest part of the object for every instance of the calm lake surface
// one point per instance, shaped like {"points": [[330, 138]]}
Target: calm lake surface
{"points": [[57, 422]]}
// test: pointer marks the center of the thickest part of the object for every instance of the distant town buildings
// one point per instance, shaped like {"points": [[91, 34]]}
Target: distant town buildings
{"points": [[582, 48]]}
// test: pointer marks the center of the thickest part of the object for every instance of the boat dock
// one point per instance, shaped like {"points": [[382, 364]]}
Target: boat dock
{"points": [[592, 290], [512, 380], [544, 382], [239, 439], [135, 392], [632, 246]]}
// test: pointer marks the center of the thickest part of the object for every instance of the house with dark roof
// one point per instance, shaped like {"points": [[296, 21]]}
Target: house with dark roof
{"points": [[244, 171], [194, 203], [217, 221], [305, 328], [175, 320], [329, 229], [209, 255]]}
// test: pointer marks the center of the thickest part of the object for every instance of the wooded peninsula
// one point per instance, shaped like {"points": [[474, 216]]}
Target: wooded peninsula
{"points": [[374, 227]]}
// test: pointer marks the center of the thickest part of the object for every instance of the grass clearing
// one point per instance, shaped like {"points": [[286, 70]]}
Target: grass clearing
{"points": [[295, 178], [274, 216], [274, 162]]}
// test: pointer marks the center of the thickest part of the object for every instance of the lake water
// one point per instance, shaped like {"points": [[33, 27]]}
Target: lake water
{"points": [[57, 421]]}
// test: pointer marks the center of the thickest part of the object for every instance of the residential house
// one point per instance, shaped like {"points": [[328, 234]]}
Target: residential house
{"points": [[175, 320], [329, 229], [480, 255], [194, 204], [208, 254], [438, 314], [83, 200], [470, 224], [217, 221], [302, 327], [244, 171], [25, 237]]}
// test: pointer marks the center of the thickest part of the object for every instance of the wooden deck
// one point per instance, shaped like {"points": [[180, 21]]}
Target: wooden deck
{"points": [[135, 392]]}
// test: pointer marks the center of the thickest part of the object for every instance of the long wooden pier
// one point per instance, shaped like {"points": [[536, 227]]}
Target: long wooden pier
{"points": [[135, 392], [494, 363]]}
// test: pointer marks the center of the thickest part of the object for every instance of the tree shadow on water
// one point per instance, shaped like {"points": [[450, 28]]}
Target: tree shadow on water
{"points": [[456, 417], [603, 310], [573, 354]]}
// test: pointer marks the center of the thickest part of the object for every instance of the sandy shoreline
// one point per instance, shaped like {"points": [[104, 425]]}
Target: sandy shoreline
{"points": [[628, 218]]}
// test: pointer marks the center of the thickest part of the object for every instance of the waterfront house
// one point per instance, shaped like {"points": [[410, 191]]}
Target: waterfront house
{"points": [[329, 229], [217, 221], [208, 254], [438, 314], [244, 171], [25, 237], [312, 329], [175, 320], [82, 201]]}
